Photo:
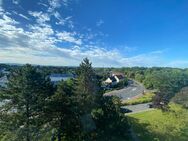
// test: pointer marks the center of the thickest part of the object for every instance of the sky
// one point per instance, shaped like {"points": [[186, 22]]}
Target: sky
{"points": [[111, 33]]}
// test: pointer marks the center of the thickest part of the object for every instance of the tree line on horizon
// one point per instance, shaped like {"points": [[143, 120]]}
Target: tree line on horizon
{"points": [[75, 110]]}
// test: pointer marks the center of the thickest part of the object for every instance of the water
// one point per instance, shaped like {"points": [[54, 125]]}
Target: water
{"points": [[56, 79], [59, 77]]}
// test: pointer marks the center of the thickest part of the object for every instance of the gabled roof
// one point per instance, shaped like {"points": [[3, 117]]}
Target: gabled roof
{"points": [[112, 78], [119, 76]]}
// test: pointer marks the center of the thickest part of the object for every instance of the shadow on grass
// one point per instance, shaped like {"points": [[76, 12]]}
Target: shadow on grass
{"points": [[144, 133]]}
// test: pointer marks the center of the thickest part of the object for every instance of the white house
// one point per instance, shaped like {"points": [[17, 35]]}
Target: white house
{"points": [[114, 79], [111, 80]]}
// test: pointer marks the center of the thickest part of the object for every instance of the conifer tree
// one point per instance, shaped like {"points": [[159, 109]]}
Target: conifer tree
{"points": [[25, 95], [61, 114], [86, 86]]}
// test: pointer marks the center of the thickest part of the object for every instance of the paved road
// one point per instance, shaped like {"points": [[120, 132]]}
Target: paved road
{"points": [[132, 90], [138, 108]]}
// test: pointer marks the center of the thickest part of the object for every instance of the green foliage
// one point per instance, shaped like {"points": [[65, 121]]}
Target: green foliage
{"points": [[86, 87], [159, 126], [166, 81], [74, 110], [120, 85], [110, 122], [148, 97], [61, 114], [87, 82], [139, 77], [182, 97], [26, 93], [1, 74]]}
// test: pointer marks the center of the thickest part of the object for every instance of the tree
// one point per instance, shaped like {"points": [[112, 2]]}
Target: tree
{"points": [[167, 84], [86, 86], [139, 77], [87, 82], [86, 94], [61, 114], [111, 124], [26, 94]]}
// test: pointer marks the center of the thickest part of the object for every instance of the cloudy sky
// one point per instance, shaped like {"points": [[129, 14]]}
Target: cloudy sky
{"points": [[111, 33]]}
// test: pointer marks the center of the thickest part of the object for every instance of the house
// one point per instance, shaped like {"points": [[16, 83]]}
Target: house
{"points": [[118, 78], [114, 79], [111, 80]]}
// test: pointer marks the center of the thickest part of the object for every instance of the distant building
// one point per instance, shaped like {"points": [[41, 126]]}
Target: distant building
{"points": [[110, 80], [55, 78], [114, 78]]}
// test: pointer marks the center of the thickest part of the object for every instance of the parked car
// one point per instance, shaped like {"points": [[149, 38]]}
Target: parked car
{"points": [[125, 110]]}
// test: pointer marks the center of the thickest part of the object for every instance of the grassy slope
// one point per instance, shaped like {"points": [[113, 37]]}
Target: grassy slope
{"points": [[143, 99], [158, 126]]}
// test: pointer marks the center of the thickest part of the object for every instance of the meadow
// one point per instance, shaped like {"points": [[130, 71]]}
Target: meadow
{"points": [[161, 126]]}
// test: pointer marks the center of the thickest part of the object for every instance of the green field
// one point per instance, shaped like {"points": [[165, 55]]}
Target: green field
{"points": [[159, 126]]}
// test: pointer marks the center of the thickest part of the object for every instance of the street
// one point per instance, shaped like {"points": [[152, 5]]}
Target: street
{"points": [[132, 90]]}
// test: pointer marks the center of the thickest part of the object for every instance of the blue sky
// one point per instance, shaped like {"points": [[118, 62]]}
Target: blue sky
{"points": [[111, 33]]}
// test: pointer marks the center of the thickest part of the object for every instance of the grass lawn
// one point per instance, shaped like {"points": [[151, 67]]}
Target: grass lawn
{"points": [[143, 99], [159, 126]]}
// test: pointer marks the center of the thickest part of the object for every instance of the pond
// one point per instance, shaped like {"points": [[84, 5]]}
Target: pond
{"points": [[59, 77]]}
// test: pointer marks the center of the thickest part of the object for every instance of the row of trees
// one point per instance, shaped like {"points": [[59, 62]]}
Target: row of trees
{"points": [[166, 81], [34, 109]]}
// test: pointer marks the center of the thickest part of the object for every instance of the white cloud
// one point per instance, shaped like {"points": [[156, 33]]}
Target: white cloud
{"points": [[7, 20], [54, 4], [69, 37], [37, 46], [100, 22], [43, 4], [178, 63], [61, 21], [1, 2], [40, 43], [41, 17], [148, 60], [15, 2], [23, 16], [1, 7]]}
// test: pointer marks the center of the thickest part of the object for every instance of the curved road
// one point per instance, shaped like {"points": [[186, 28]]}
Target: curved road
{"points": [[133, 90]]}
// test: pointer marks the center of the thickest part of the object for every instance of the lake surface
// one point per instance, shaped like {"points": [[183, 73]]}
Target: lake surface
{"points": [[59, 77]]}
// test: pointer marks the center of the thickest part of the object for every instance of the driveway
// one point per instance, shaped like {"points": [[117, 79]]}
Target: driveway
{"points": [[134, 89], [138, 108]]}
